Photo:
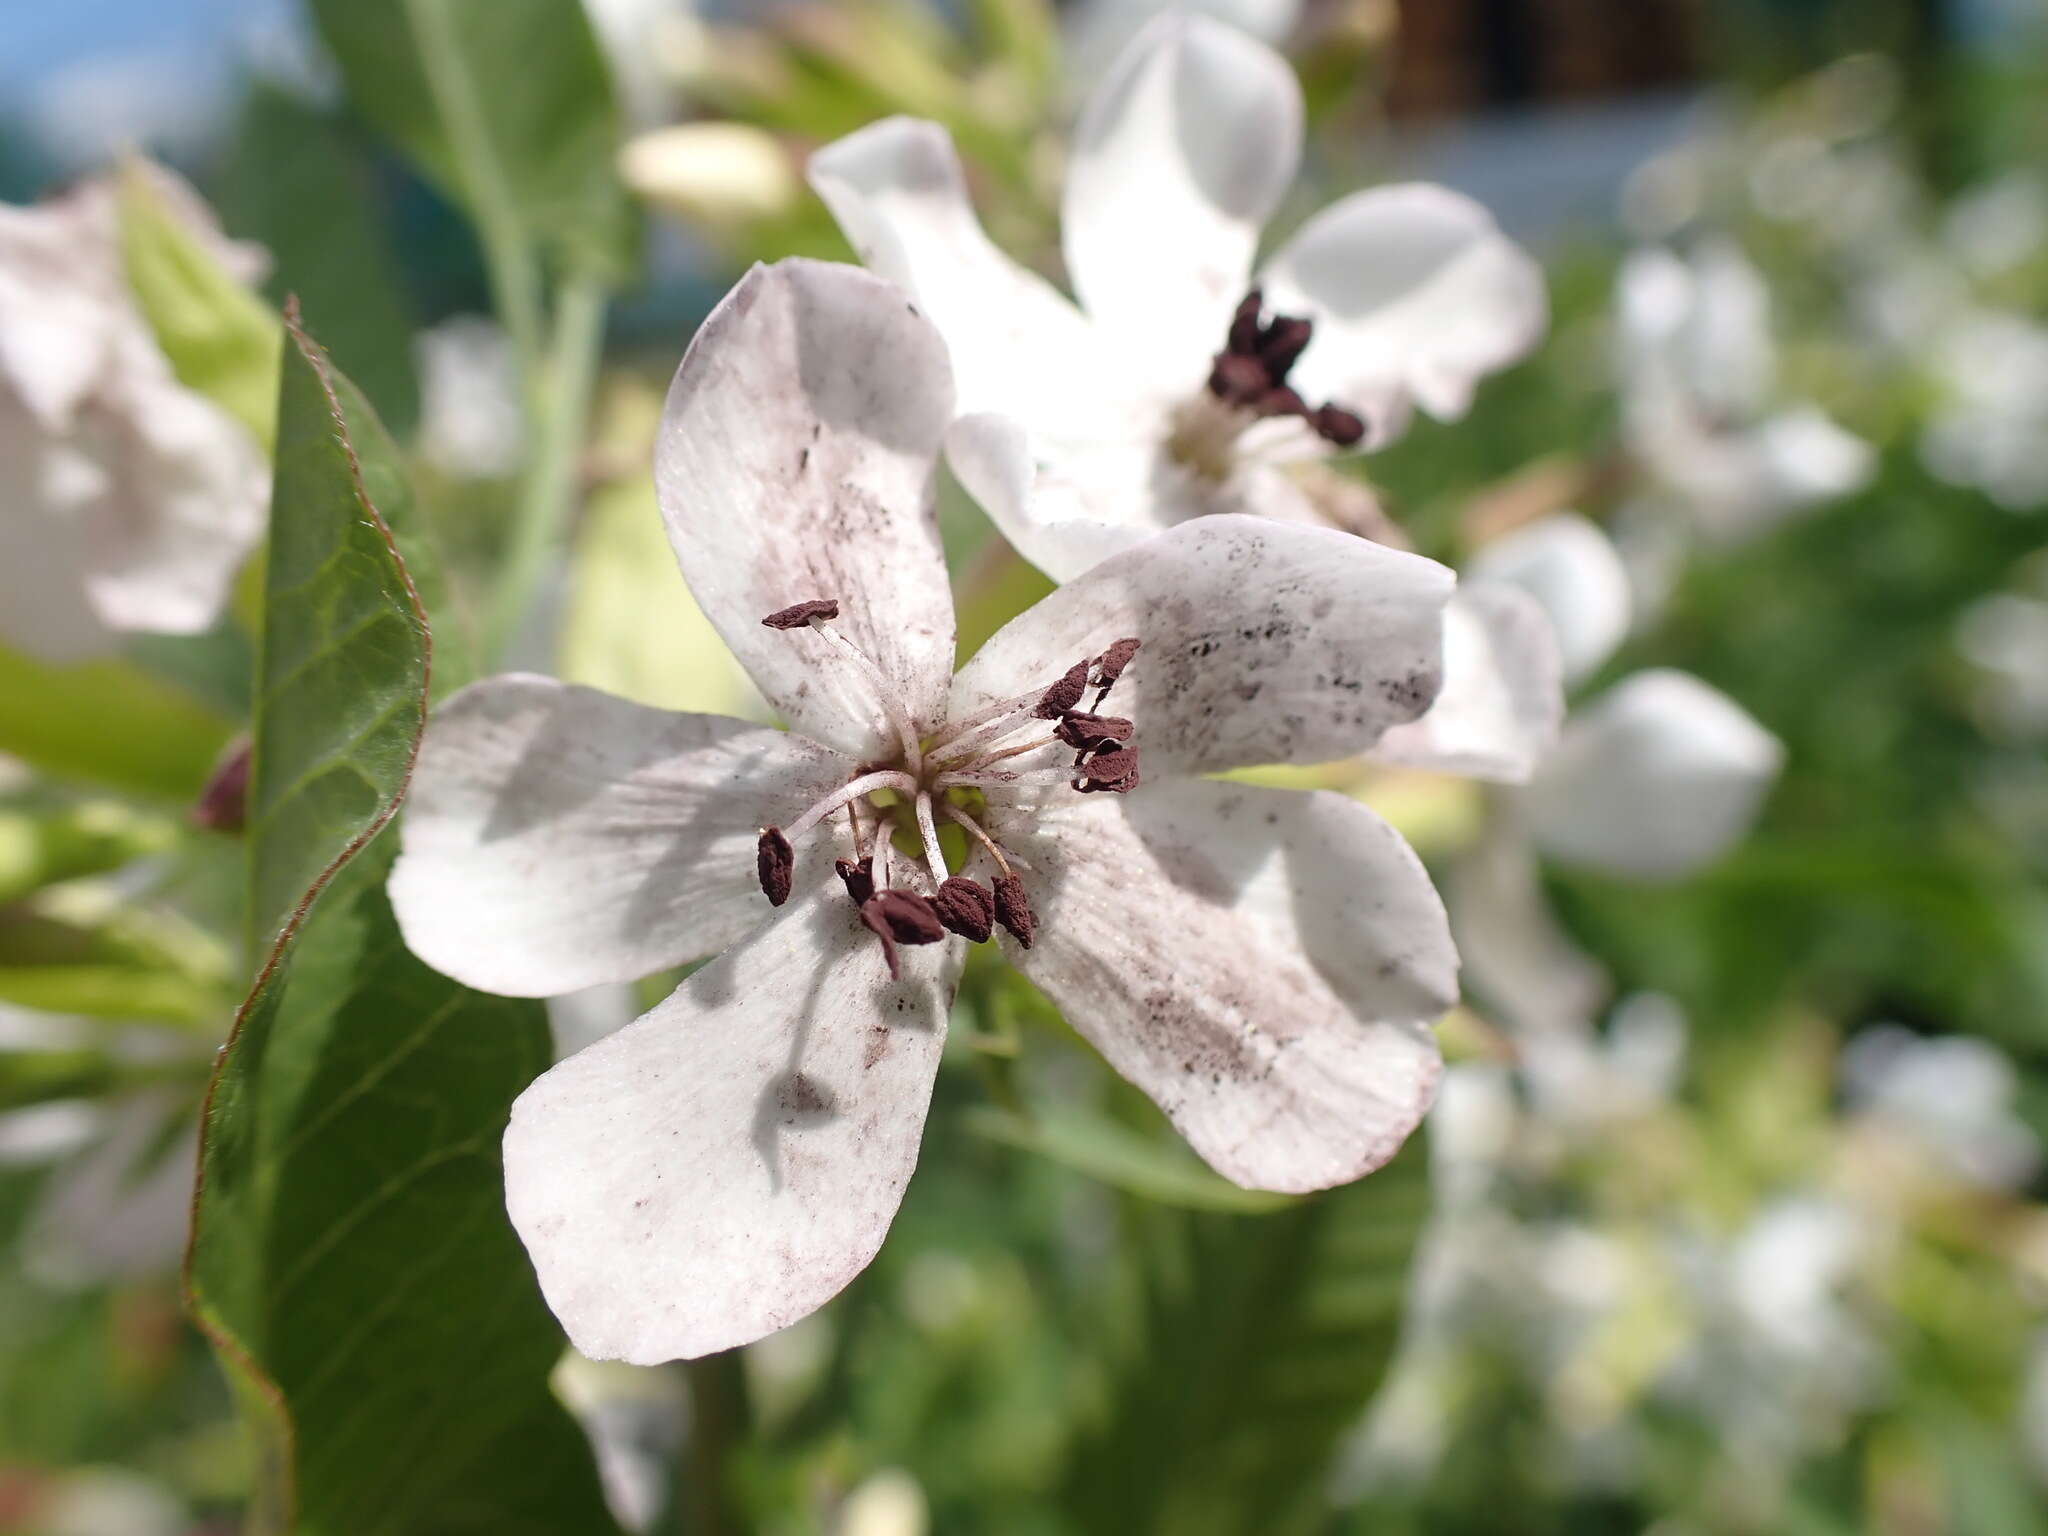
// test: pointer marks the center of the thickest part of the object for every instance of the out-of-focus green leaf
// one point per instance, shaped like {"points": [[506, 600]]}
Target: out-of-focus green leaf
{"points": [[108, 722], [221, 339], [299, 183], [1260, 1340], [1123, 1158], [39, 847], [507, 104], [631, 627], [351, 1258]]}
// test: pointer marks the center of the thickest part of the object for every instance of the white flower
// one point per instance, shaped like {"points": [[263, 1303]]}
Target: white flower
{"points": [[1182, 385], [1264, 963], [1658, 775], [1650, 780], [126, 500], [1698, 370], [1955, 1096], [1988, 430], [471, 422]]}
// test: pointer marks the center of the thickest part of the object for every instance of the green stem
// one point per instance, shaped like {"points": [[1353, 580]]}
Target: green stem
{"points": [[510, 261], [701, 1503], [558, 397]]}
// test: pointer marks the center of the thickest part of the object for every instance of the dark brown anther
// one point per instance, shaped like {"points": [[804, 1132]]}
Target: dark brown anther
{"points": [[1337, 425], [858, 876], [1109, 666], [1237, 378], [797, 615], [776, 862], [1064, 694], [1285, 340], [1085, 732], [900, 917], [1013, 910], [1115, 772], [967, 908], [1279, 401], [1244, 324]]}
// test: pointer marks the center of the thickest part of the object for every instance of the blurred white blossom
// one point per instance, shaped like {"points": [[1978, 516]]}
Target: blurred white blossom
{"points": [[471, 423], [126, 500]]}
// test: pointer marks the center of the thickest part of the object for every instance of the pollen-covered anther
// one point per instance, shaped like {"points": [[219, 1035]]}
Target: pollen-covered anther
{"points": [[797, 615], [967, 908], [775, 861], [901, 917], [1109, 666], [858, 876], [1087, 733], [1111, 772], [1064, 694], [1251, 371], [1013, 910]]}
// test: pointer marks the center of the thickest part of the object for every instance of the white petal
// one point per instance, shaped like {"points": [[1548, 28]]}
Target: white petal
{"points": [[1524, 967], [1658, 776], [1415, 294], [1096, 32], [1573, 569], [1181, 154], [797, 460], [557, 837], [1503, 693], [45, 485], [1262, 642], [726, 1164], [1264, 963], [186, 501], [1066, 506], [1017, 344]]}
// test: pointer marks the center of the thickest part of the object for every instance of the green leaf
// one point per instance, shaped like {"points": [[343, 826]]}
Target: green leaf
{"points": [[351, 1258], [57, 719], [1121, 1157], [507, 105], [1260, 1341], [299, 182], [343, 676], [221, 339]]}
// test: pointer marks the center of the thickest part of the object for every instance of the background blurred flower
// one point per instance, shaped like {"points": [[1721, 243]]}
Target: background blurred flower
{"points": [[126, 500]]}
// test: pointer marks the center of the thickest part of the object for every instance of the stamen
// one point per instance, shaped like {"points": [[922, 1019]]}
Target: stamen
{"points": [[774, 861], [797, 615], [928, 831], [1335, 424], [1013, 910], [900, 917], [1086, 733], [1064, 694], [975, 831], [884, 694], [967, 908], [858, 877], [846, 794], [1250, 373], [1110, 666], [1008, 752], [1115, 772]]}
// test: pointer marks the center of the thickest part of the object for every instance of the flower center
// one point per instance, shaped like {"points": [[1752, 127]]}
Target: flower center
{"points": [[1248, 383], [1038, 742]]}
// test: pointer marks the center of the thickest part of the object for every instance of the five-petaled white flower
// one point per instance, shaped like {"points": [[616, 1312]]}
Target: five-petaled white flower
{"points": [[1264, 963], [126, 500], [1182, 385]]}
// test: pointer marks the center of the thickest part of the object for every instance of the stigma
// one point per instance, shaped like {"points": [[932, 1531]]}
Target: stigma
{"points": [[1050, 741]]}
